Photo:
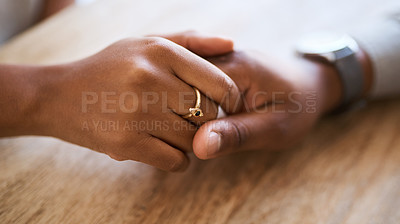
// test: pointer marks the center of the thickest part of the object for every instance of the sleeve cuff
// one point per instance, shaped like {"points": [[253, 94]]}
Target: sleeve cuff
{"points": [[381, 41]]}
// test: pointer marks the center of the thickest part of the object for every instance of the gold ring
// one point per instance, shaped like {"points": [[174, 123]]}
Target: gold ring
{"points": [[195, 111]]}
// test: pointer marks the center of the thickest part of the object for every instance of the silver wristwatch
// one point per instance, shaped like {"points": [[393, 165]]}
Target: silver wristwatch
{"points": [[339, 50]]}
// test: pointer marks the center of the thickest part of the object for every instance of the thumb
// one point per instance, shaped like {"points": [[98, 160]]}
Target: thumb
{"points": [[201, 44], [240, 132]]}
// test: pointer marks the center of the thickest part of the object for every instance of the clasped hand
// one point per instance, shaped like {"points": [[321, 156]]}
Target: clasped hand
{"points": [[144, 87]]}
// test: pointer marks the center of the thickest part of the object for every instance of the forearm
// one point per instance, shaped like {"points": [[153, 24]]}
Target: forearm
{"points": [[20, 101]]}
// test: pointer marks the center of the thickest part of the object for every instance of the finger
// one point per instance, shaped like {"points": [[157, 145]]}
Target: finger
{"points": [[175, 131], [234, 65], [201, 74], [208, 108], [158, 120], [181, 97], [201, 44], [247, 131], [157, 153], [238, 65]]}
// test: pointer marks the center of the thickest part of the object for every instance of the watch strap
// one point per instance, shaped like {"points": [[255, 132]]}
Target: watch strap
{"points": [[351, 75]]}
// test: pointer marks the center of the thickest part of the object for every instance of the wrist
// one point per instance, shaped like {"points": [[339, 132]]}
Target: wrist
{"points": [[323, 80], [47, 101], [327, 82], [27, 98], [18, 99]]}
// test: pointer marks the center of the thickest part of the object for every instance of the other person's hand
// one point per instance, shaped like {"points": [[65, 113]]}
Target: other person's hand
{"points": [[283, 98]]}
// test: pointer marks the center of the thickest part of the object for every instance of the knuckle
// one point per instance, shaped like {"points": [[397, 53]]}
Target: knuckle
{"points": [[142, 142], [226, 87], [159, 45], [240, 134], [227, 84], [230, 93], [230, 87]]}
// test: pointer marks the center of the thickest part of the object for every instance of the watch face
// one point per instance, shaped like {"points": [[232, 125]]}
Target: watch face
{"points": [[324, 42]]}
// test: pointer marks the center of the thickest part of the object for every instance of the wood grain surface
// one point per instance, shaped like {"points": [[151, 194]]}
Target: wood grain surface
{"points": [[346, 171]]}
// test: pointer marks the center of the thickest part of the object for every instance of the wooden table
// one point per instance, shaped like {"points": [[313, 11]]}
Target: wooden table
{"points": [[346, 171]]}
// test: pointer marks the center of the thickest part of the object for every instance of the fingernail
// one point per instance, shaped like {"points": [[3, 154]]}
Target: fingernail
{"points": [[214, 143]]}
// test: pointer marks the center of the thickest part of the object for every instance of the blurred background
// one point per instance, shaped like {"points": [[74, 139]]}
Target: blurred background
{"points": [[257, 24], [45, 180]]}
